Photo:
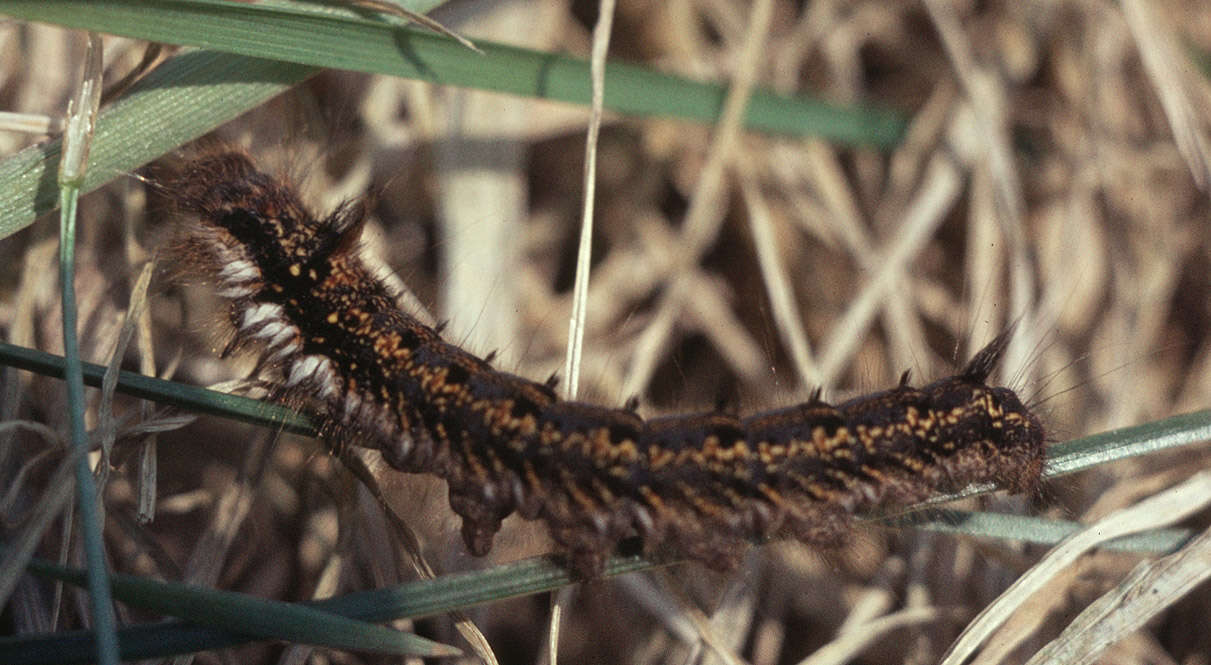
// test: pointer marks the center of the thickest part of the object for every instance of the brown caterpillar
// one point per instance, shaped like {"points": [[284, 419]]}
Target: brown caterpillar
{"points": [[700, 486]]}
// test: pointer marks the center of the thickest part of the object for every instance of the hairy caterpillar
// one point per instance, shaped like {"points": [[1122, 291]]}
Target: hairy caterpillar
{"points": [[701, 486]]}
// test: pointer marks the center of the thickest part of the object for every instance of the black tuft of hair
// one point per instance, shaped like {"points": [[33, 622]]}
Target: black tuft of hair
{"points": [[981, 366]]}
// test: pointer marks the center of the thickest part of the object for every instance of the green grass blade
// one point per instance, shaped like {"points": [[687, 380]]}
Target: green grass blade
{"points": [[308, 34], [465, 590], [415, 599], [253, 618], [1090, 451], [181, 100], [81, 119], [190, 398], [1026, 528]]}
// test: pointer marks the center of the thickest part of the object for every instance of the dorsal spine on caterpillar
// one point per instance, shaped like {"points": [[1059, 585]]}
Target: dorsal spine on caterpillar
{"points": [[699, 485]]}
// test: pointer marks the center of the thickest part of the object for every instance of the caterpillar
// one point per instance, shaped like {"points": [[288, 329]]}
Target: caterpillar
{"points": [[330, 337]]}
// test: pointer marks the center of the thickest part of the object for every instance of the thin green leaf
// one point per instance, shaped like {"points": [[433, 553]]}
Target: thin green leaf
{"points": [[464, 590], [181, 100], [1090, 451], [191, 398], [1038, 530], [415, 599], [307, 34], [81, 118], [254, 618]]}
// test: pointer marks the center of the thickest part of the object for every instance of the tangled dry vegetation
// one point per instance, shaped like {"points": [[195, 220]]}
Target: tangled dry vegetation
{"points": [[1054, 173]]}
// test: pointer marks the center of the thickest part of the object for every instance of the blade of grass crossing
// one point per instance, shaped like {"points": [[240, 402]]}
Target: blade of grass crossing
{"points": [[414, 599], [257, 618], [191, 398], [82, 114], [184, 98], [307, 34]]}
